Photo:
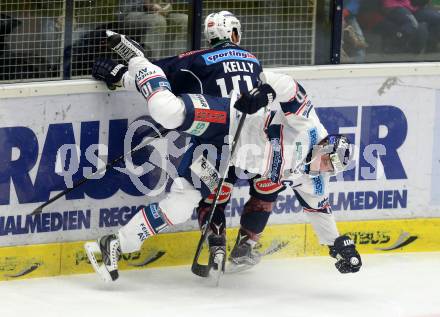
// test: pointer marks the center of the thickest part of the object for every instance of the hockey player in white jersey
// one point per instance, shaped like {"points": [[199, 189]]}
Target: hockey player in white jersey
{"points": [[287, 142], [298, 149]]}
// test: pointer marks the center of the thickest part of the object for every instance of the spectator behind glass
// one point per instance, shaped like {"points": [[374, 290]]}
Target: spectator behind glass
{"points": [[354, 44], [417, 20], [32, 48], [162, 32]]}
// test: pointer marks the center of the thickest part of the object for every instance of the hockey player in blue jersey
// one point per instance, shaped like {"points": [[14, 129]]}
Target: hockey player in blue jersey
{"points": [[219, 69], [274, 136], [216, 71]]}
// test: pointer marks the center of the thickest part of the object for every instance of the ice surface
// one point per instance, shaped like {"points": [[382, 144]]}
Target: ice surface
{"points": [[388, 285]]}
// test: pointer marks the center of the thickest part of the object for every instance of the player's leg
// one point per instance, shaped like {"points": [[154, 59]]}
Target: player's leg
{"points": [[320, 215], [253, 220], [216, 238], [217, 230], [154, 219]]}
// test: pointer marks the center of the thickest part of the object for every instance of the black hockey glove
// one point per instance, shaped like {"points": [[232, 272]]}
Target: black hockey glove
{"points": [[252, 101], [344, 250], [109, 71]]}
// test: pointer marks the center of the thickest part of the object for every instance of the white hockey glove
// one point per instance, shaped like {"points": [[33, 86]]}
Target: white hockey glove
{"points": [[344, 250], [109, 71]]}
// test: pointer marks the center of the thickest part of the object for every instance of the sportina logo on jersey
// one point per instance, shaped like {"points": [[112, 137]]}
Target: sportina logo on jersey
{"points": [[228, 54]]}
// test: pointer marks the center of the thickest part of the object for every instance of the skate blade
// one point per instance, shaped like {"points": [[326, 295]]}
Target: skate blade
{"points": [[110, 33], [92, 248], [232, 268], [214, 274]]}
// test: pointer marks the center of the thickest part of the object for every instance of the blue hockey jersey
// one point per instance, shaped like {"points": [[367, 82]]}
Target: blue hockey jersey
{"points": [[215, 71]]}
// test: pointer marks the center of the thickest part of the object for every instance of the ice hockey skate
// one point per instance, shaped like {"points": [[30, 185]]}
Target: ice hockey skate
{"points": [[243, 256], [217, 256], [109, 250]]}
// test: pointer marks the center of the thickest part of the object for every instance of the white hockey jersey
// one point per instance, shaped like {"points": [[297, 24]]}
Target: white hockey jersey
{"points": [[275, 142]]}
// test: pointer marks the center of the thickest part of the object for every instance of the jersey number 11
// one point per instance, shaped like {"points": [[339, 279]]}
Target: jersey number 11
{"points": [[235, 84]]}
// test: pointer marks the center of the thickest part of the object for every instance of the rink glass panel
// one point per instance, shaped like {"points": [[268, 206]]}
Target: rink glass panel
{"points": [[41, 40], [278, 32], [60, 39], [373, 34], [31, 40]]}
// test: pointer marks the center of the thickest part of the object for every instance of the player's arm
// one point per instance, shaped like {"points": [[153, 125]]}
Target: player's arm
{"points": [[105, 69], [292, 101], [163, 106], [283, 93], [341, 247], [196, 114], [116, 75]]}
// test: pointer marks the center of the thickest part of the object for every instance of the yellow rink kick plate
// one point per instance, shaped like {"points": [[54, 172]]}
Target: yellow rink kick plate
{"points": [[291, 240]]}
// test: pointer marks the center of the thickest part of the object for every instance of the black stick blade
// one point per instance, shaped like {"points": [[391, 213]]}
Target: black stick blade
{"points": [[200, 269]]}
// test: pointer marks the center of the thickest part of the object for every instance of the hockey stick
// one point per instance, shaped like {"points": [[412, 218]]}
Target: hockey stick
{"points": [[203, 269], [273, 248], [140, 146]]}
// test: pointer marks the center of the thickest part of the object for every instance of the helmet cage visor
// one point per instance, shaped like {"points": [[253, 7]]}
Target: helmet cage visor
{"points": [[339, 151]]}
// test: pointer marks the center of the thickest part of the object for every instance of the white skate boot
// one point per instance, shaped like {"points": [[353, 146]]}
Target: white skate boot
{"points": [[109, 249]]}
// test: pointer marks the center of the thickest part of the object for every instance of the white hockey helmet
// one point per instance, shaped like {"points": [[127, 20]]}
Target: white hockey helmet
{"points": [[220, 25], [340, 152]]}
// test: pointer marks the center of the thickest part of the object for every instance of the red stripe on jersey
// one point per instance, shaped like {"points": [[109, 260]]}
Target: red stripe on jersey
{"points": [[266, 186], [149, 97], [224, 195], [302, 107], [323, 209], [208, 115], [189, 53], [167, 219], [268, 160], [147, 222], [266, 123], [282, 153], [296, 90], [140, 83]]}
